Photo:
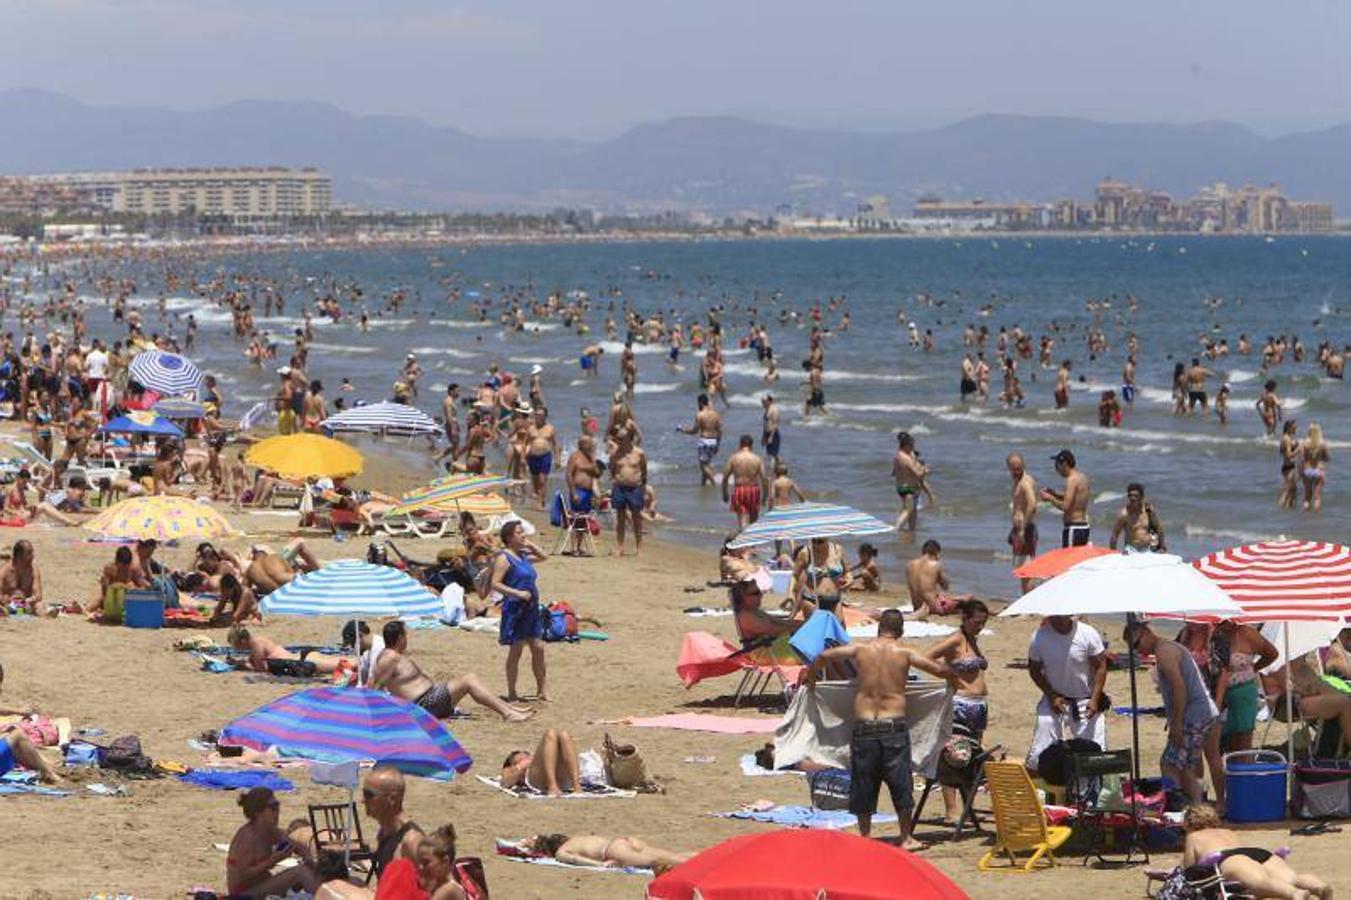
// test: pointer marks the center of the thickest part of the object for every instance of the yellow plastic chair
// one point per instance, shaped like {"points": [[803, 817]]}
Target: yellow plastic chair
{"points": [[1020, 820]]}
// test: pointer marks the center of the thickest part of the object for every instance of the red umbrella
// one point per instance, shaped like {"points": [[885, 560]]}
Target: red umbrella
{"points": [[1053, 562], [804, 864]]}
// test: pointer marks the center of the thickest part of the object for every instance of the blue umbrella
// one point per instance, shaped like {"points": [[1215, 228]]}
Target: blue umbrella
{"points": [[336, 724], [352, 588], [804, 521], [140, 422], [166, 373]]}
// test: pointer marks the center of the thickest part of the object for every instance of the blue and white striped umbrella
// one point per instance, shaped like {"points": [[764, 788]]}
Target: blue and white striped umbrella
{"points": [[383, 417], [354, 589], [803, 521], [167, 373]]}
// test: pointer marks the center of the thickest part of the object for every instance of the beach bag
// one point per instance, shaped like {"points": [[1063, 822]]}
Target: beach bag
{"points": [[624, 766], [560, 621], [829, 788], [471, 877], [1322, 789], [80, 754], [124, 755]]}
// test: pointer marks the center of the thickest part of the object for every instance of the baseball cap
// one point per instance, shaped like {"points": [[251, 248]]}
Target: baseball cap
{"points": [[284, 370], [1064, 456], [536, 369]]}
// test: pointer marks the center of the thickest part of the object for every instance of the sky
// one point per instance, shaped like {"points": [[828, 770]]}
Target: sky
{"points": [[589, 69]]}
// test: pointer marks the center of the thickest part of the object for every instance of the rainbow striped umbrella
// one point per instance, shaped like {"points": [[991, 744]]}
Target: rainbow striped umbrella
{"points": [[804, 521], [445, 491], [337, 724]]}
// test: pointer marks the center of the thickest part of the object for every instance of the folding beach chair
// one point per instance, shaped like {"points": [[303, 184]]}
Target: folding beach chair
{"points": [[967, 780], [763, 660], [337, 832], [573, 521], [1086, 772], [1020, 820]]}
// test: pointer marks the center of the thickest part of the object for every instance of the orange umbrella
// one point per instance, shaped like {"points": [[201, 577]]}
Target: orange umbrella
{"points": [[1053, 562]]}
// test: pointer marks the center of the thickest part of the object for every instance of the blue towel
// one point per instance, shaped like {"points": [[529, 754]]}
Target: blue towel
{"points": [[818, 634], [804, 817], [234, 780], [9, 787]]}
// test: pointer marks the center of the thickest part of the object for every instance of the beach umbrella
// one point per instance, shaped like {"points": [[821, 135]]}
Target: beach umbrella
{"points": [[445, 492], [1130, 585], [163, 517], [180, 408], [382, 418], [803, 521], [804, 864], [166, 373], [1053, 562], [353, 588], [141, 422], [256, 415], [306, 456], [335, 724]]}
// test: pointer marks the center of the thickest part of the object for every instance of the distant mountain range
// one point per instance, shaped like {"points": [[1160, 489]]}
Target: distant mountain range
{"points": [[710, 164]]}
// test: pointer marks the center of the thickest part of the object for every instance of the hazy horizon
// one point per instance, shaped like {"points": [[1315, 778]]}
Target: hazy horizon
{"points": [[526, 68]]}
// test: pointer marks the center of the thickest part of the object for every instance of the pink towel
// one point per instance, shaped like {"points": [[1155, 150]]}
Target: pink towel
{"points": [[705, 722]]}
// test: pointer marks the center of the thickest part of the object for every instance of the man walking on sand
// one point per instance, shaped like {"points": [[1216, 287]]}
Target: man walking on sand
{"points": [[1073, 503], [747, 472], [879, 750]]}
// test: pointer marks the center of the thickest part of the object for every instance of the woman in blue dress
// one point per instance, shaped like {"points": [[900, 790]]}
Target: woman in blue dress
{"points": [[514, 578]]}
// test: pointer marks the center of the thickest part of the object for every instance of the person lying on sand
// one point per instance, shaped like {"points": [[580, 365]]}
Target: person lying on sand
{"points": [[553, 768], [394, 672], [606, 853], [268, 570], [215, 563], [270, 657], [15, 746], [1260, 871]]}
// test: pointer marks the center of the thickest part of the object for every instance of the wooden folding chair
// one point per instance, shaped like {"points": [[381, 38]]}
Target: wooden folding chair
{"points": [[337, 830], [1020, 820]]}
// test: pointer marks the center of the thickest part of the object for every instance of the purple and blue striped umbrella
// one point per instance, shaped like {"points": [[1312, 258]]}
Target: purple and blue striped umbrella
{"points": [[335, 724]]}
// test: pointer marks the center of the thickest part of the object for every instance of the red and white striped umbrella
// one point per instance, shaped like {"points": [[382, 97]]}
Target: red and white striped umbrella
{"points": [[1284, 581]]}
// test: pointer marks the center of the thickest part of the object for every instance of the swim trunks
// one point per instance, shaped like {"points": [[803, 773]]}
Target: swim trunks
{"points": [[436, 700], [542, 464], [587, 363], [627, 496], [1027, 545], [906, 490], [1076, 535], [746, 499], [816, 400], [1128, 393], [770, 440], [968, 387], [1193, 741], [585, 498], [1062, 398], [708, 448], [1195, 397]]}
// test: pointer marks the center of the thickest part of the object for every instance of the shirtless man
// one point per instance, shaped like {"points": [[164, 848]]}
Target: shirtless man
{"points": [[750, 482], [708, 426], [450, 418], [770, 438], [628, 483], [880, 744], [1023, 532], [1073, 503], [928, 584], [396, 673], [590, 359], [580, 476], [1062, 385], [271, 658], [1128, 382], [815, 388], [1138, 523], [910, 475], [21, 580], [121, 572], [628, 368], [1196, 386], [268, 571], [539, 454]]}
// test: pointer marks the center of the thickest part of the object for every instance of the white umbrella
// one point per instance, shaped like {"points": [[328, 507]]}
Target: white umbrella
{"points": [[1131, 584], [1303, 637]]}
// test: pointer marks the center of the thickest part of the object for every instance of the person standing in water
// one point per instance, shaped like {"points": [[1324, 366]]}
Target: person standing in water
{"points": [[1073, 503], [1023, 531], [708, 428], [909, 473]]}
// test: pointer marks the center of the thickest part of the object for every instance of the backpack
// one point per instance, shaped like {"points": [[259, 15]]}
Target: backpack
{"points": [[559, 621], [469, 873], [124, 755]]}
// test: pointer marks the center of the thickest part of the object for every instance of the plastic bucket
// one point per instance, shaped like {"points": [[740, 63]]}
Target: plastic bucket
{"points": [[1255, 786], [144, 613]]}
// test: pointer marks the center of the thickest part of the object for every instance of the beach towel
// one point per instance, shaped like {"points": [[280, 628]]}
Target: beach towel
{"points": [[214, 664], [482, 624], [819, 723], [517, 851], [25, 781], [704, 722], [913, 629], [704, 655], [804, 817], [752, 769], [817, 635], [590, 791], [235, 780]]}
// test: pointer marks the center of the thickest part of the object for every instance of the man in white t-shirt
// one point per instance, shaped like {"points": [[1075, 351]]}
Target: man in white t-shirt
{"points": [[96, 376], [1068, 663]]}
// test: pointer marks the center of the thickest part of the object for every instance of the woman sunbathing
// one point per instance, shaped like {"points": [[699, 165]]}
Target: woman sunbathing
{"points": [[606, 853], [552, 768], [1260, 871]]}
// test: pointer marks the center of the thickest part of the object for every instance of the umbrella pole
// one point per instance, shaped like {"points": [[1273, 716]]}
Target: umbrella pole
{"points": [[1135, 710], [1289, 716]]}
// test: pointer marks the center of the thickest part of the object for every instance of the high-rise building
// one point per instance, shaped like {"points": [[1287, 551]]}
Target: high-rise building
{"points": [[242, 195]]}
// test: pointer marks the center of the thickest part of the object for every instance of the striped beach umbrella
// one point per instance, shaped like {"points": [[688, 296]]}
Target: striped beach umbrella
{"points": [[444, 493], [1284, 581], [164, 518], [337, 724], [803, 521], [306, 456], [382, 418], [166, 373], [180, 408], [353, 588]]}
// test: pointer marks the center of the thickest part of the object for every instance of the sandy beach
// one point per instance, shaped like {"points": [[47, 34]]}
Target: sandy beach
{"points": [[159, 840]]}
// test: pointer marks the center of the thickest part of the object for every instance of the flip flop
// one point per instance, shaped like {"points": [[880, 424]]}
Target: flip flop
{"points": [[1318, 828]]}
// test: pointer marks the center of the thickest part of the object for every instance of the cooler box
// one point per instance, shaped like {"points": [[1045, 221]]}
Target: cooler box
{"points": [[781, 580], [143, 609], [1254, 786]]}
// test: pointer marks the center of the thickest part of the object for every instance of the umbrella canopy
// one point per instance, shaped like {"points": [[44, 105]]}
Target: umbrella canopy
{"points": [[339, 723], [167, 373], [1145, 584], [179, 408], [445, 492], [802, 521], [1053, 562], [306, 456], [164, 518], [355, 589], [1286, 581], [804, 864], [382, 418], [141, 422]]}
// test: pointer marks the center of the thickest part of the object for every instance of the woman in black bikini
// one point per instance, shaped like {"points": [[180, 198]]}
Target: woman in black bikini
{"points": [[970, 707], [1260, 871]]}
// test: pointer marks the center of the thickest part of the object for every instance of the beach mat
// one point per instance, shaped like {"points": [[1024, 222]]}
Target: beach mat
{"points": [[704, 722], [589, 791], [804, 817], [235, 780]]}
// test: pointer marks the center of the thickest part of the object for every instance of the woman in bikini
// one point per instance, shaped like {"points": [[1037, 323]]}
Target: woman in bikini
{"points": [[259, 845], [606, 853], [553, 768], [1313, 468], [1290, 453], [1260, 871], [970, 705], [819, 576]]}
